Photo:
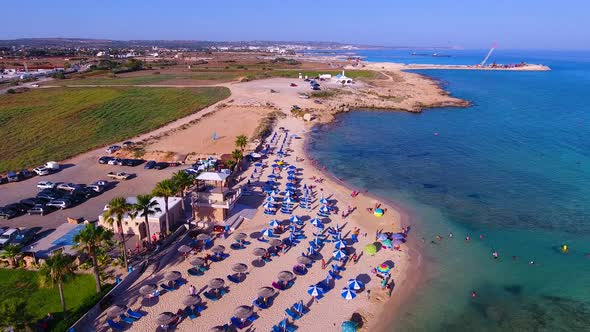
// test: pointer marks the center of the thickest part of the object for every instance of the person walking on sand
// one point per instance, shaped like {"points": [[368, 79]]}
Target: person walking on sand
{"points": [[495, 254], [368, 292], [323, 264]]}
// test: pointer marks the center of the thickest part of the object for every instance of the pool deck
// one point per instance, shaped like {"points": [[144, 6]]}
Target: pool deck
{"points": [[61, 237]]}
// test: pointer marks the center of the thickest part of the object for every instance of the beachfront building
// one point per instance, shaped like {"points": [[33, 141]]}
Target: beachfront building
{"points": [[157, 221], [342, 79], [212, 199]]}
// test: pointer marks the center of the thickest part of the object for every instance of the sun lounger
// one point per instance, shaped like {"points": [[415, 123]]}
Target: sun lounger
{"points": [[277, 285], [114, 325], [134, 314], [167, 288], [237, 323], [262, 240], [334, 275], [203, 269], [233, 279], [210, 296], [199, 308], [126, 319], [190, 313], [259, 303], [179, 282], [292, 314], [195, 272]]}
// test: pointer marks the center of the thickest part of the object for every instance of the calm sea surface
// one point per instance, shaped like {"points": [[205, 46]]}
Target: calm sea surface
{"points": [[512, 172]]}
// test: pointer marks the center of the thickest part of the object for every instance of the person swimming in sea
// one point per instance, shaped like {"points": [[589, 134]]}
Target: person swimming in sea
{"points": [[468, 238], [495, 254]]}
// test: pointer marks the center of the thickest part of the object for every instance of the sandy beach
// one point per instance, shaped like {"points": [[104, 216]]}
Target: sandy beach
{"points": [[258, 98]]}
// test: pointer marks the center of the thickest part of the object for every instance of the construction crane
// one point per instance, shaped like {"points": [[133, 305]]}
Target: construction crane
{"points": [[488, 56]]}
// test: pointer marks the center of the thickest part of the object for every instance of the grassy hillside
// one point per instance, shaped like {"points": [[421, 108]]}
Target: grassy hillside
{"points": [[58, 123]]}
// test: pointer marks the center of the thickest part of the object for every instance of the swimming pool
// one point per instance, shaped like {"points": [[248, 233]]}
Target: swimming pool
{"points": [[68, 238]]}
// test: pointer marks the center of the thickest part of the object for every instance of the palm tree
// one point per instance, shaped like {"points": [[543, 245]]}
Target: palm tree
{"points": [[237, 155], [57, 269], [183, 181], [146, 207], [10, 252], [89, 240], [241, 142], [165, 188], [117, 208]]}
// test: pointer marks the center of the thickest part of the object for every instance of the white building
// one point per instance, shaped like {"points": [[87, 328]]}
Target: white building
{"points": [[157, 221], [342, 79]]}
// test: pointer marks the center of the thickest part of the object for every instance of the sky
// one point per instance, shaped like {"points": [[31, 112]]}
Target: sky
{"points": [[514, 24]]}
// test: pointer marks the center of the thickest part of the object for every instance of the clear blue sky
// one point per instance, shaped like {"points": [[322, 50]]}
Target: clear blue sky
{"points": [[542, 24]]}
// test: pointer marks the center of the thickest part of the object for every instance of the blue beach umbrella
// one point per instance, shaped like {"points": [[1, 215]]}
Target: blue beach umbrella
{"points": [[289, 200], [267, 232], [277, 160], [315, 290], [294, 218], [382, 237], [339, 244], [290, 185], [338, 254], [323, 201], [310, 250], [290, 177], [348, 294], [324, 209], [283, 324], [268, 205], [258, 165], [315, 222], [275, 192], [292, 167], [271, 199], [274, 223], [298, 306], [272, 176], [271, 183], [275, 165], [355, 284], [291, 172]]}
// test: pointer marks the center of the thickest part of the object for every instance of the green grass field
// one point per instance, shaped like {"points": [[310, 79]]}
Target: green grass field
{"points": [[212, 74], [24, 285], [58, 123], [109, 80]]}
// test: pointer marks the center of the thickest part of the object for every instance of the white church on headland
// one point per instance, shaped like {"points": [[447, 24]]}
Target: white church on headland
{"points": [[342, 79]]}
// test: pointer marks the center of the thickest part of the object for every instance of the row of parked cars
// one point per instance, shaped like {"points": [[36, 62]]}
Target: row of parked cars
{"points": [[52, 196], [46, 169], [152, 164]]}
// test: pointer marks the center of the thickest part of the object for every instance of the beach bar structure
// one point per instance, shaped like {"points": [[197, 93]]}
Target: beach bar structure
{"points": [[157, 221], [212, 199]]}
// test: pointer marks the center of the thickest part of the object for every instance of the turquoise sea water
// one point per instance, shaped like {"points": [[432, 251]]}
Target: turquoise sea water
{"points": [[513, 168]]}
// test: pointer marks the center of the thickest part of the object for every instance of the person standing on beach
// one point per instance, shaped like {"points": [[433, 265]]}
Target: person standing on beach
{"points": [[368, 292], [323, 264]]}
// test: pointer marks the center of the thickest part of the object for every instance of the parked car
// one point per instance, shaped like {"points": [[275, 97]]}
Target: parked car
{"points": [[119, 175], [60, 203], [30, 202], [25, 174], [49, 194], [131, 162], [102, 183], [161, 165], [39, 209], [12, 177], [115, 161], [3, 229], [18, 207], [150, 164], [293, 84], [87, 192], [95, 187], [67, 186], [127, 144], [113, 148], [104, 160], [41, 171], [46, 185], [2, 179], [8, 236], [52, 165], [7, 213]]}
